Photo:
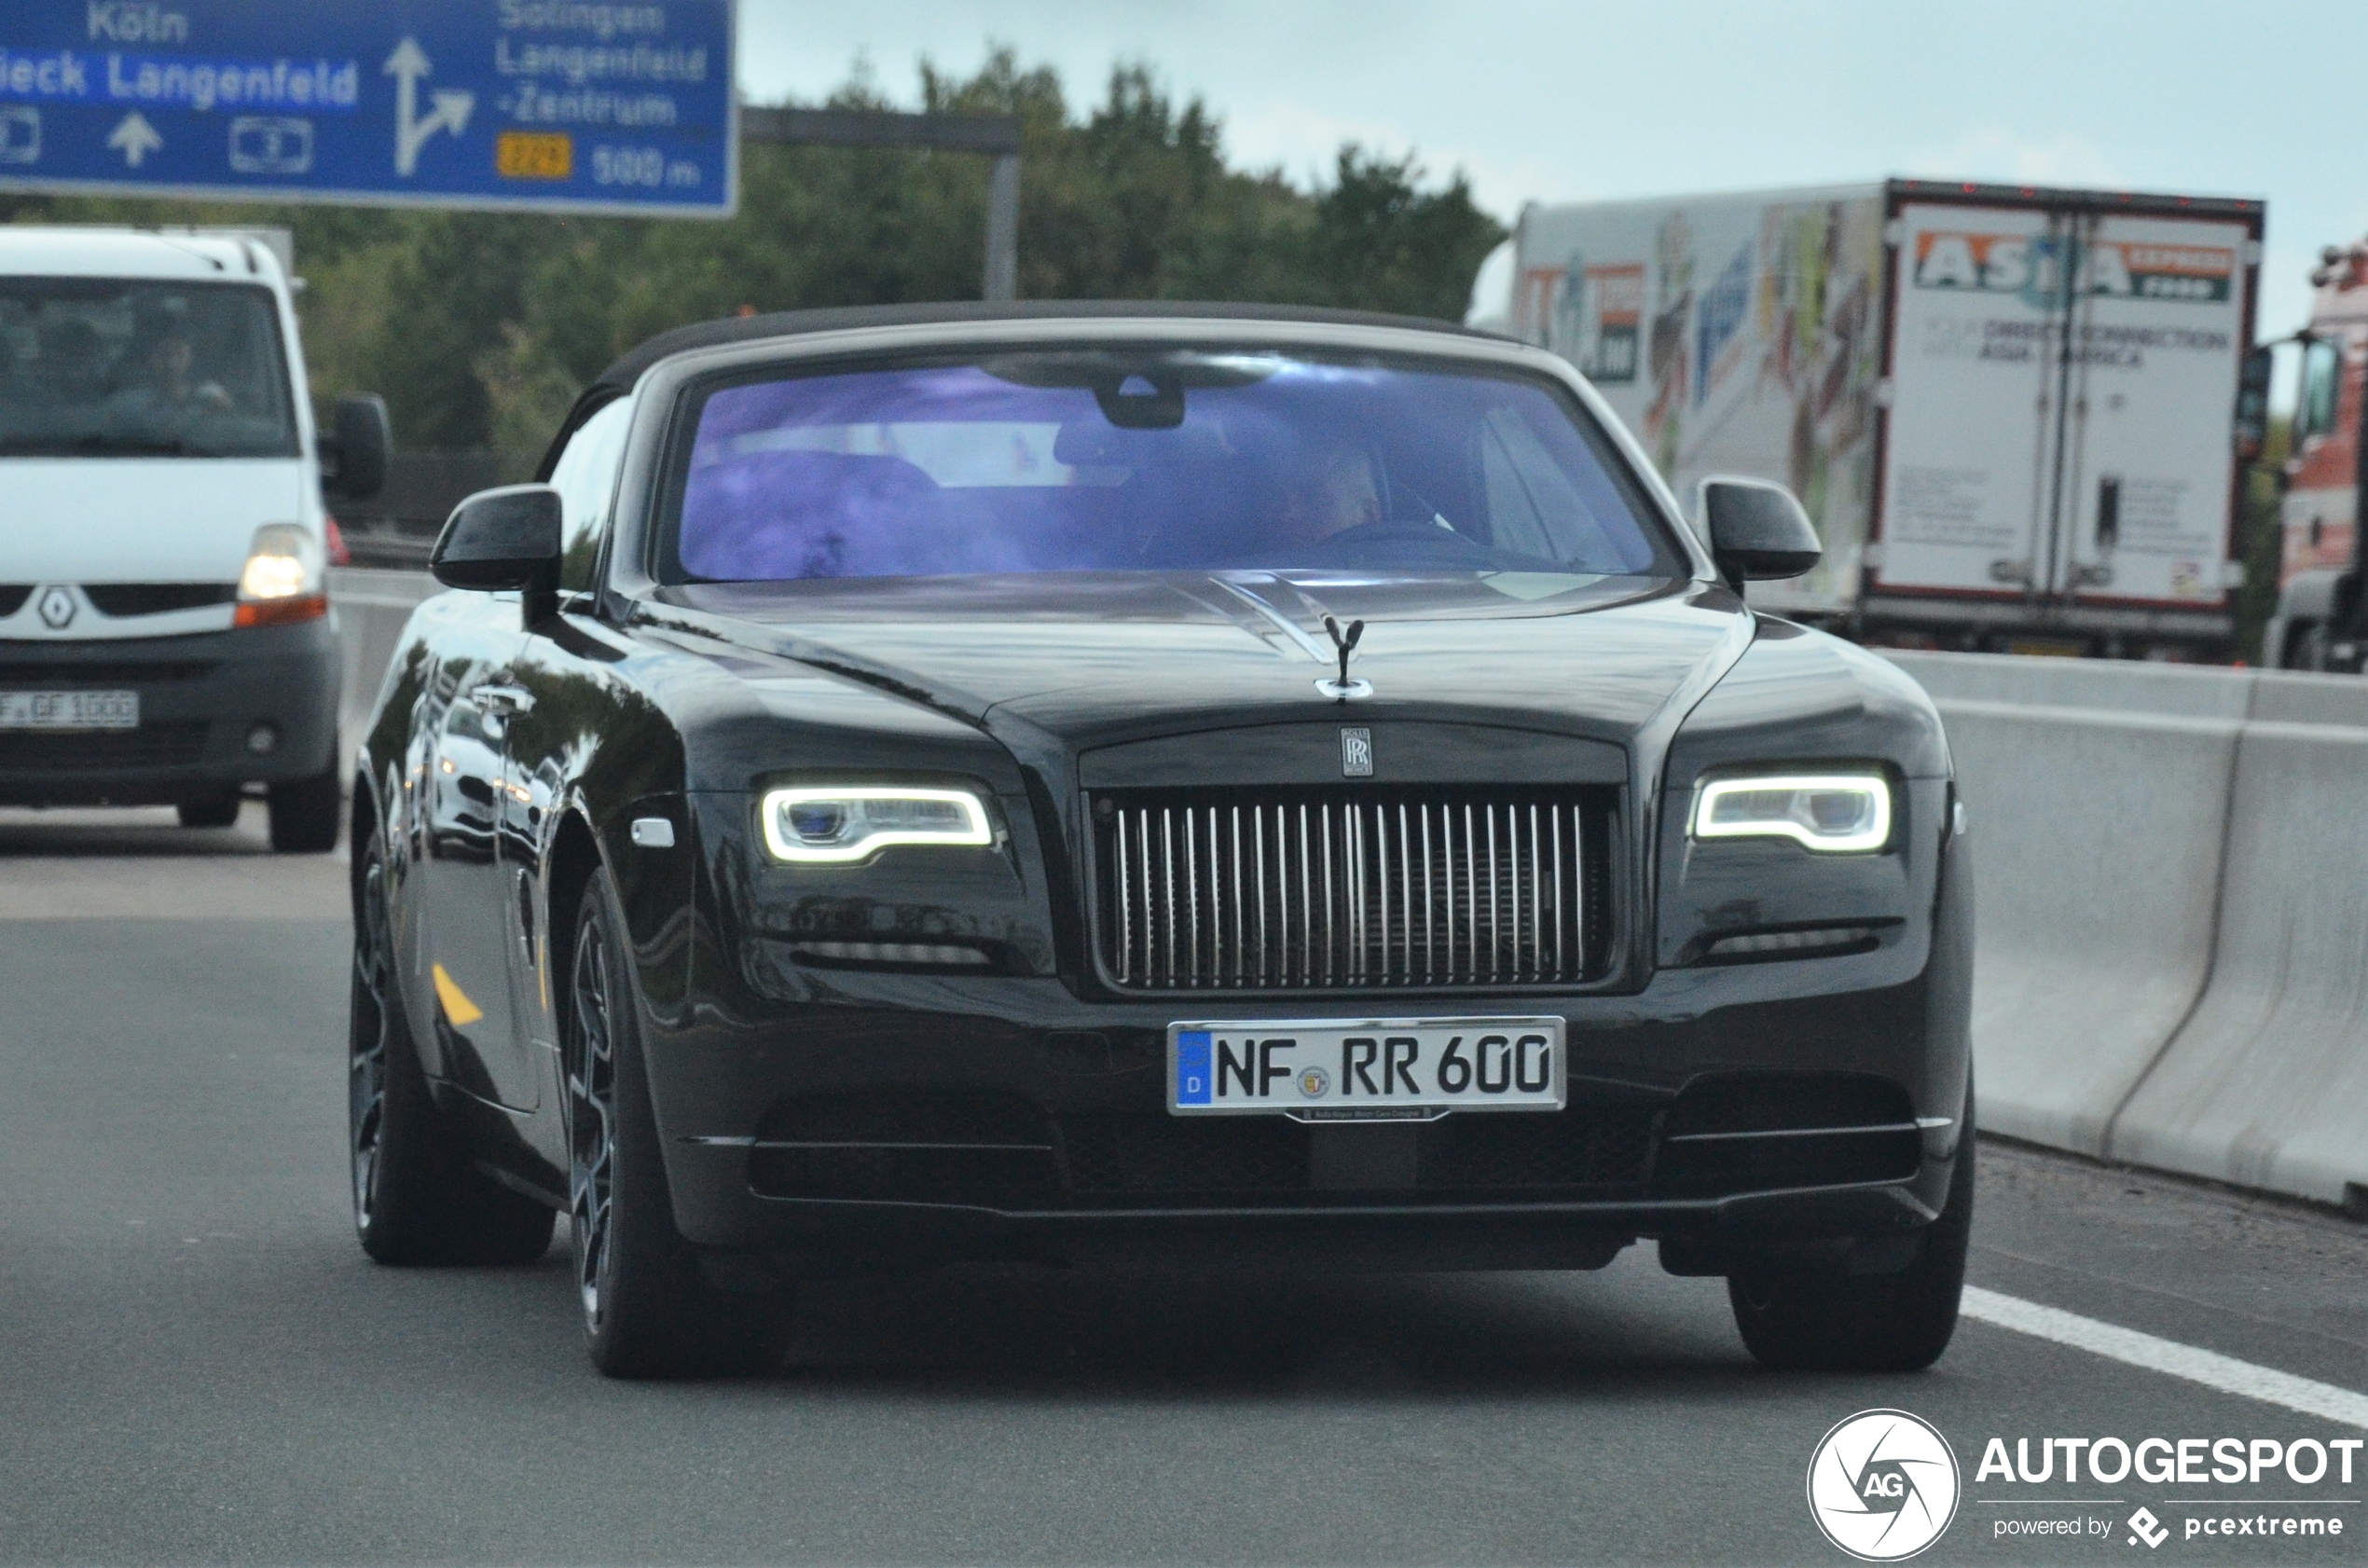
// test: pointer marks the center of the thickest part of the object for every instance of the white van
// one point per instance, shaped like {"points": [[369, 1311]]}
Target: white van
{"points": [[165, 631]]}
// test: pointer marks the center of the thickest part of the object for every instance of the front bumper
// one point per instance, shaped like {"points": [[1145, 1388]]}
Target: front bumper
{"points": [[930, 1117], [200, 697]]}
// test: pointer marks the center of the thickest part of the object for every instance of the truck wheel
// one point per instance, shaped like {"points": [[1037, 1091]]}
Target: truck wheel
{"points": [[1824, 1320], [305, 812], [416, 1197], [649, 1310], [219, 810]]}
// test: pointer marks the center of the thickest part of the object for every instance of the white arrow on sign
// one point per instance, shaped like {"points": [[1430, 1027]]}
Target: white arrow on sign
{"points": [[135, 138], [406, 65]]}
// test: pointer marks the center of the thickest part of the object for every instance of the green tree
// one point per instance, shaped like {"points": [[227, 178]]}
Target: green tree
{"points": [[1381, 244]]}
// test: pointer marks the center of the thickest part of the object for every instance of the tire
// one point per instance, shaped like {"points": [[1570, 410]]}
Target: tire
{"points": [[211, 811], [1824, 1320], [416, 1197], [2305, 647], [305, 814], [649, 1311]]}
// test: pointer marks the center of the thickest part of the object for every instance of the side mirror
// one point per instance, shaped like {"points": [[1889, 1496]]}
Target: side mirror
{"points": [[1757, 531], [2321, 394], [507, 538], [355, 458]]}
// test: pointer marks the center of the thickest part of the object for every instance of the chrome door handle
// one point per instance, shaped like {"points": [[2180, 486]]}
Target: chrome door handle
{"points": [[506, 699]]}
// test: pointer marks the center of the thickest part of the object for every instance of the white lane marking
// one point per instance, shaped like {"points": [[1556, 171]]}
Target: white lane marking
{"points": [[2208, 1368]]}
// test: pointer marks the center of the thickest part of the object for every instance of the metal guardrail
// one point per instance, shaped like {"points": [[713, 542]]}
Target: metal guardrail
{"points": [[389, 549]]}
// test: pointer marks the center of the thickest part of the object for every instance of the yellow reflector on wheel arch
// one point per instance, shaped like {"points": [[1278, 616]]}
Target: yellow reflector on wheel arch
{"points": [[458, 1010]]}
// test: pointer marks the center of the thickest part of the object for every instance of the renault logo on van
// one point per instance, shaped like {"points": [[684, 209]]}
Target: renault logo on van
{"points": [[57, 609]]}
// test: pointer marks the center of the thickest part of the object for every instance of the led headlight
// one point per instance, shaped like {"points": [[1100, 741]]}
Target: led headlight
{"points": [[833, 826], [281, 580], [1830, 812]]}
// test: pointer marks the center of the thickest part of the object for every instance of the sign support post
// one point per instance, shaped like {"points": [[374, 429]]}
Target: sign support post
{"points": [[997, 136]]}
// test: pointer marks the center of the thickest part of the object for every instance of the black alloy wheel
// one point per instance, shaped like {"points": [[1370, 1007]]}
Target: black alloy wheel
{"points": [[367, 1044], [649, 1308], [591, 1115], [1803, 1319], [417, 1199]]}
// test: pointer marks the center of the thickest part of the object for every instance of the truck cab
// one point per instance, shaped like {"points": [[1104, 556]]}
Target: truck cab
{"points": [[165, 631], [2321, 622]]}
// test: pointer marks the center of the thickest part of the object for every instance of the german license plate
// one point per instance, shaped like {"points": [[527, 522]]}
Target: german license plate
{"points": [[69, 710], [1365, 1069]]}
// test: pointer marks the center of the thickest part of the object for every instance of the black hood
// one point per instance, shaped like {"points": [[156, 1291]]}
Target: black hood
{"points": [[1094, 658]]}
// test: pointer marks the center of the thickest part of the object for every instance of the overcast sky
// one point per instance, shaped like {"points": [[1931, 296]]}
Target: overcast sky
{"points": [[1538, 101]]}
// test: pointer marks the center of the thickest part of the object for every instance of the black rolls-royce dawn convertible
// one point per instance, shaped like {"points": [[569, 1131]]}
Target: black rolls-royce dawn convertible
{"points": [[1041, 782]]}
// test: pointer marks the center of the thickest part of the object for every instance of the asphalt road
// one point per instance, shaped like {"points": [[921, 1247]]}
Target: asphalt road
{"points": [[198, 1364]]}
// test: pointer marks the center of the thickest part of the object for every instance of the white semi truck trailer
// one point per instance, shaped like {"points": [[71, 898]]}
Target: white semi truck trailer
{"points": [[2009, 409]]}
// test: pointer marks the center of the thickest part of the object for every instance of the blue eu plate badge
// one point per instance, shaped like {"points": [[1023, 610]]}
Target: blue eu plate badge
{"points": [[1192, 1067]]}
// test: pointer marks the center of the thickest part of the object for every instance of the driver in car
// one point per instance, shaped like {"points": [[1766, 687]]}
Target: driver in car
{"points": [[169, 388], [1331, 489]]}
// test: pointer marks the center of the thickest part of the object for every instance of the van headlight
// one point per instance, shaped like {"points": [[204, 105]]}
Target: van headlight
{"points": [[819, 825], [283, 578], [1831, 812]]}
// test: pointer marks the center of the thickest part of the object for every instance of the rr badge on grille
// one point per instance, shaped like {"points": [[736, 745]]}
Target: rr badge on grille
{"points": [[1356, 754]]}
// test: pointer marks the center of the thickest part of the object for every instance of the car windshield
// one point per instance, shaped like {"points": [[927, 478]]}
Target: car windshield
{"points": [[110, 367], [1121, 459]]}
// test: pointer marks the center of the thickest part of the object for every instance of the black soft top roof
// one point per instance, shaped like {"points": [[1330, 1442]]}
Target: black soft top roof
{"points": [[628, 367]]}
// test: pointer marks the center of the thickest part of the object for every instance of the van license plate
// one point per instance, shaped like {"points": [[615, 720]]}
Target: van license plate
{"points": [[69, 710], [1365, 1069]]}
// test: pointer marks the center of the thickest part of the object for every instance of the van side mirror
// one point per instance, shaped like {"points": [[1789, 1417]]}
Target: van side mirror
{"points": [[501, 539], [1758, 532], [354, 455]]}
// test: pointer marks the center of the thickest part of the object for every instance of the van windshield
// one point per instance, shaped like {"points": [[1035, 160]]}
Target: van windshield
{"points": [[107, 367]]}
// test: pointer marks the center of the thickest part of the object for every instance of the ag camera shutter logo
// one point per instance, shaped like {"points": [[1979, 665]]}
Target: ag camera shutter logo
{"points": [[1883, 1485]]}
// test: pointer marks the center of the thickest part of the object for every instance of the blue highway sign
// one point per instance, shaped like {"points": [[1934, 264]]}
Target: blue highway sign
{"points": [[574, 105]]}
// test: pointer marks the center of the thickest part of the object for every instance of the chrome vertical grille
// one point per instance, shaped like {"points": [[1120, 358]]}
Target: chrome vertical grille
{"points": [[1333, 889]]}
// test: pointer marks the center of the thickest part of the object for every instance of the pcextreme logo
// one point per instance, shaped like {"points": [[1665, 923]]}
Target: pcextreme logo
{"points": [[2029, 264], [1883, 1485]]}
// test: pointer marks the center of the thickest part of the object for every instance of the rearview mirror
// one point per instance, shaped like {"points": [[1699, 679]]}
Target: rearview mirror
{"points": [[354, 457], [1758, 532], [506, 538]]}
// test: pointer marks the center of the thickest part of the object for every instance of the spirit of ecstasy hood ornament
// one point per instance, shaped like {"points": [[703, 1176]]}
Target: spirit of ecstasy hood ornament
{"points": [[1344, 643]]}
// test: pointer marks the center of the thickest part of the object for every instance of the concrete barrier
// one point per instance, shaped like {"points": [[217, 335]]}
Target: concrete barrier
{"points": [[2116, 686], [2171, 960], [2291, 697], [2097, 855], [2266, 1085], [2130, 686]]}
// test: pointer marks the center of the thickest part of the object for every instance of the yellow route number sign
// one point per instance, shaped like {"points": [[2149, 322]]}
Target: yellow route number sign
{"points": [[534, 155]]}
